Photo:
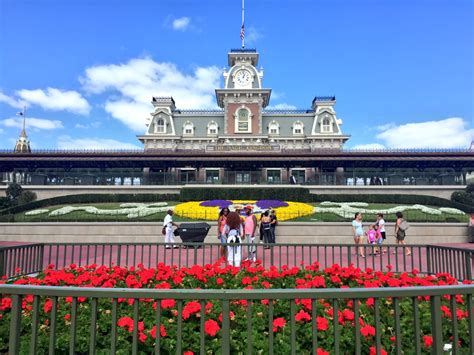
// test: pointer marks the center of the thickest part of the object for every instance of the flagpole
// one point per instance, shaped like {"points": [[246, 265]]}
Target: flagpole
{"points": [[243, 37]]}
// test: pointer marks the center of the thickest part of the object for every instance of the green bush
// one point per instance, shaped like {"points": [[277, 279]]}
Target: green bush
{"points": [[13, 191], [26, 197], [465, 197], [286, 193], [5, 202], [90, 198]]}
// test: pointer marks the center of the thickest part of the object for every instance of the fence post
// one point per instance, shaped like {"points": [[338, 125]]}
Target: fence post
{"points": [[467, 262], [41, 258], [15, 325], [436, 325], [428, 259], [2, 262]]}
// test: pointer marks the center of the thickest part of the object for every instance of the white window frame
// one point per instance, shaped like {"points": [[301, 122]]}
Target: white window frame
{"points": [[212, 125], [186, 126], [249, 120], [157, 125], [298, 125], [326, 127], [274, 126]]}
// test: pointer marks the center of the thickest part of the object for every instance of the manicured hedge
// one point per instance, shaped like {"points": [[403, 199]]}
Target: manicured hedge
{"points": [[90, 198], [298, 194]]}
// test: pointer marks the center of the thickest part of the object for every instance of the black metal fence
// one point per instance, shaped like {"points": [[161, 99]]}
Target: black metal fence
{"points": [[99, 329], [427, 259]]}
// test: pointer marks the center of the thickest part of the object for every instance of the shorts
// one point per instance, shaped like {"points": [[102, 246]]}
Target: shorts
{"points": [[383, 235], [400, 235], [222, 238]]}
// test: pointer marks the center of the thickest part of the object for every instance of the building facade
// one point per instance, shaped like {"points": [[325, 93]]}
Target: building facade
{"points": [[242, 142]]}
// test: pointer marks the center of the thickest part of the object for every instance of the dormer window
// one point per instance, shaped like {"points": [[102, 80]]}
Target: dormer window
{"points": [[243, 122], [212, 128], [160, 126], [298, 128], [274, 128], [326, 126], [188, 129]]}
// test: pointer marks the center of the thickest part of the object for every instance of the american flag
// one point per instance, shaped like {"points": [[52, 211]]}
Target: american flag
{"points": [[242, 32]]}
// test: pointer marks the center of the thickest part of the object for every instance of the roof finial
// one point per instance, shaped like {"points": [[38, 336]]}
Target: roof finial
{"points": [[242, 29], [22, 144]]}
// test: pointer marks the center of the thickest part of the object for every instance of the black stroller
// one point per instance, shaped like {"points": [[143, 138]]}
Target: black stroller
{"points": [[192, 233]]}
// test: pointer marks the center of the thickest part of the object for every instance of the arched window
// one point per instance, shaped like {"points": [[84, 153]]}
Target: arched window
{"points": [[326, 126], [188, 129], [273, 128], [242, 121], [212, 128], [298, 128], [160, 126]]}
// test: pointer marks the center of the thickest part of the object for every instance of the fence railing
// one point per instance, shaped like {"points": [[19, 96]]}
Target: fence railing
{"points": [[427, 259], [95, 316]]}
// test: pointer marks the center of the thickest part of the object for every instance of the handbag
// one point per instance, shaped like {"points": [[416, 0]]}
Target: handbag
{"points": [[403, 225], [163, 230]]}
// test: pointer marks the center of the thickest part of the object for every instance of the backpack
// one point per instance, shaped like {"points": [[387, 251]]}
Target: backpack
{"points": [[403, 225], [233, 237]]}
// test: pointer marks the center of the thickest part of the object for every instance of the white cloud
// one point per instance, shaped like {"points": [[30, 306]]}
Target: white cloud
{"points": [[282, 106], [181, 24], [56, 100], [95, 124], [141, 78], [1, 130], [67, 142], [252, 35], [448, 133], [31, 122], [370, 146], [11, 101]]}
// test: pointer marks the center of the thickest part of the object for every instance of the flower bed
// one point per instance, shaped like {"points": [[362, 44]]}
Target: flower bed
{"points": [[220, 277], [209, 210]]}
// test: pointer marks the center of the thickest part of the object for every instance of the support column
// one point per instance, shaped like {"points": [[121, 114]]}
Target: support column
{"points": [[146, 176], [340, 178]]}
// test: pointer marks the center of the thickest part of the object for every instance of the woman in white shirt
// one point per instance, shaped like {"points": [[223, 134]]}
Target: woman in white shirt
{"points": [[381, 224]]}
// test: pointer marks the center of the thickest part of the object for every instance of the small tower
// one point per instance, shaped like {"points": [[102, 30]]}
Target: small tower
{"points": [[22, 144]]}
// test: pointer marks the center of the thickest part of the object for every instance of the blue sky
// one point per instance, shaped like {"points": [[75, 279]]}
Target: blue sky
{"points": [[401, 70]]}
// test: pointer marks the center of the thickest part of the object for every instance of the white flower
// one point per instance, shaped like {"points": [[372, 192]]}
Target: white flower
{"points": [[451, 210], [35, 212]]}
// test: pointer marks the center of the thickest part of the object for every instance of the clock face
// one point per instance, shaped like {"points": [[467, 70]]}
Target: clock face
{"points": [[243, 77]]}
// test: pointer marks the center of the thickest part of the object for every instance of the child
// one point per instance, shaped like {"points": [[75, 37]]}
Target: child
{"points": [[234, 236], [372, 236], [379, 237]]}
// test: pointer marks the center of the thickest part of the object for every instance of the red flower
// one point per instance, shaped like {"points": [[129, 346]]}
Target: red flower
{"points": [[168, 303], [211, 327], [322, 323], [6, 304], [190, 308], [428, 340], [67, 317], [367, 331], [302, 316], [278, 323], [142, 337], [48, 306], [320, 351], [219, 281], [189, 352], [126, 322], [162, 331], [373, 351]]}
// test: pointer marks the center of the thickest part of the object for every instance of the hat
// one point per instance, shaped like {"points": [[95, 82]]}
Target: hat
{"points": [[250, 207]]}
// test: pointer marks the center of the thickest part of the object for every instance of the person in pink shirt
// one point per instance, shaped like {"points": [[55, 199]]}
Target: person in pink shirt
{"points": [[221, 222], [250, 225]]}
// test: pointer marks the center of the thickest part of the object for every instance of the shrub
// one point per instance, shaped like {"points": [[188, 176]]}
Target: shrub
{"points": [[465, 197], [298, 194], [13, 191], [4, 202], [26, 197]]}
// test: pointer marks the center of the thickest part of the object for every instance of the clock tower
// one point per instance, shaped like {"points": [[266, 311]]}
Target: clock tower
{"points": [[243, 97]]}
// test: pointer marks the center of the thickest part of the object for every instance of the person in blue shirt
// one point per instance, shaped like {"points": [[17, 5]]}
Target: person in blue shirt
{"points": [[358, 233]]}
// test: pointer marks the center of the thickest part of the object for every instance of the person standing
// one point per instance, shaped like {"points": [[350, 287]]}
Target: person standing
{"points": [[358, 233], [400, 231], [250, 225], [233, 235], [221, 223], [273, 224], [266, 228], [381, 228], [168, 225]]}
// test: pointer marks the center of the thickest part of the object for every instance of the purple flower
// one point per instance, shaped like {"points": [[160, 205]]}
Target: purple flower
{"points": [[216, 203], [267, 204]]}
